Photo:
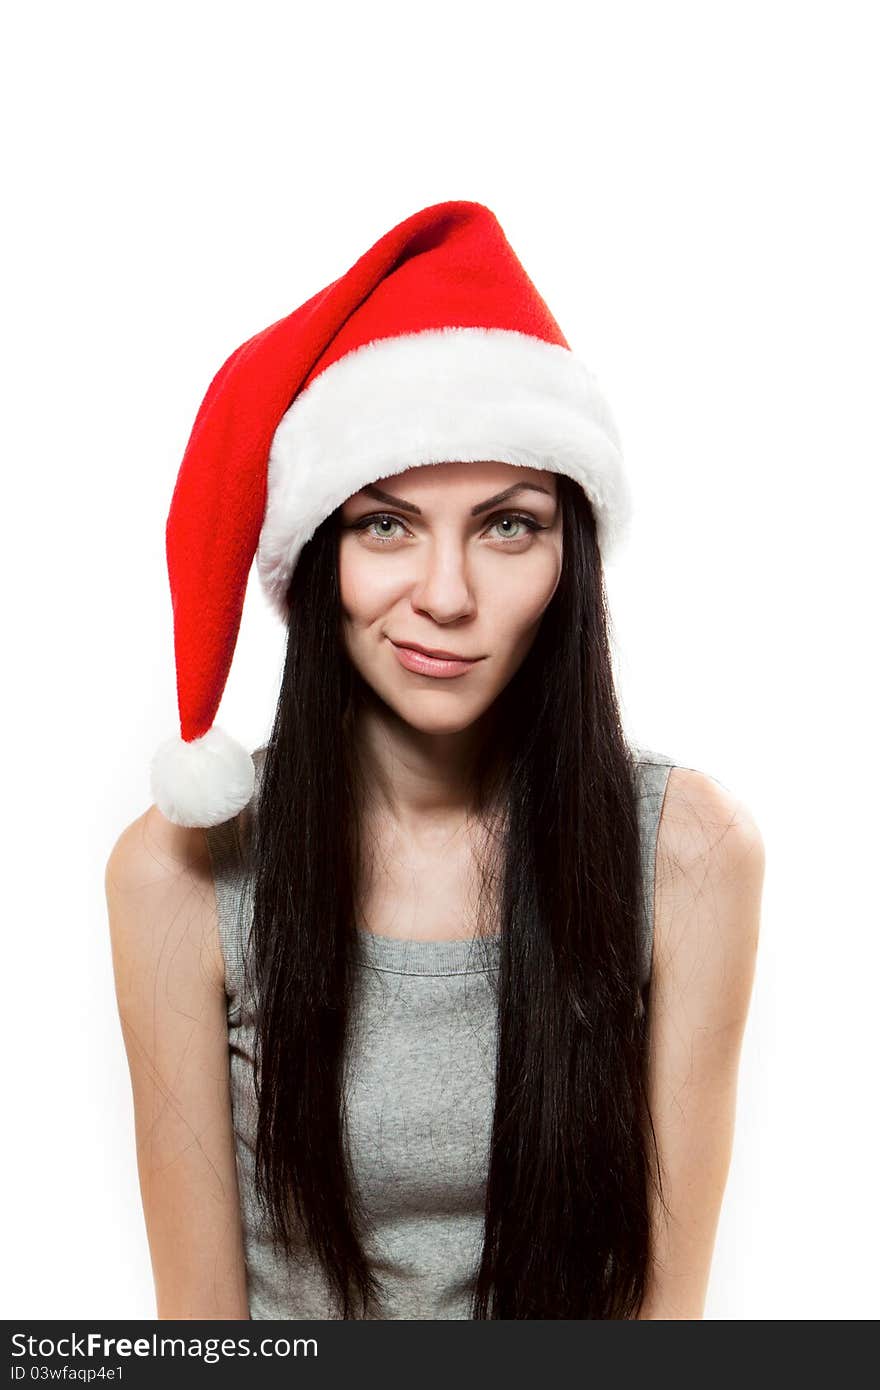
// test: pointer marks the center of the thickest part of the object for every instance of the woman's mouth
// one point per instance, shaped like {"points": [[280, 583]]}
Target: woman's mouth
{"points": [[423, 665]]}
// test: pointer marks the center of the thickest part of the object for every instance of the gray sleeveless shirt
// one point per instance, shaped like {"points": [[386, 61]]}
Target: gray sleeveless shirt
{"points": [[419, 1094]]}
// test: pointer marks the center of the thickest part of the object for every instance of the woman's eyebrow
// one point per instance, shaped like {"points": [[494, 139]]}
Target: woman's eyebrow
{"points": [[381, 496]]}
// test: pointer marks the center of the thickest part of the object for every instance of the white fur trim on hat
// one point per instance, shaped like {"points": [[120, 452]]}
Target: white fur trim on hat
{"points": [[440, 395], [202, 782]]}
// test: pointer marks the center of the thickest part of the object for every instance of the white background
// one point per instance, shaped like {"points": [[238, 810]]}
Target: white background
{"points": [[692, 187]]}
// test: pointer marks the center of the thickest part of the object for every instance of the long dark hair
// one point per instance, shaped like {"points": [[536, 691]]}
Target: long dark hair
{"points": [[567, 1208]]}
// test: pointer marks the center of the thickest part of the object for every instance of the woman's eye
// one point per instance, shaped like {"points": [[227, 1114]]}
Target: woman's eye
{"points": [[521, 521], [380, 527], [368, 522]]}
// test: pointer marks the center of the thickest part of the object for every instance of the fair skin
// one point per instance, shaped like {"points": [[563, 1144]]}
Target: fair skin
{"points": [[475, 585], [169, 975], [708, 883]]}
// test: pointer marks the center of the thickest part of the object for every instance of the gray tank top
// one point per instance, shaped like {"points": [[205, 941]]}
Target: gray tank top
{"points": [[419, 1094]]}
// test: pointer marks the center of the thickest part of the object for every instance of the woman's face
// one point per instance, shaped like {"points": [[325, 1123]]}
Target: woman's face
{"points": [[457, 557]]}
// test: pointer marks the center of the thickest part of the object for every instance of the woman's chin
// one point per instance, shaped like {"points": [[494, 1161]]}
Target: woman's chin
{"points": [[437, 722]]}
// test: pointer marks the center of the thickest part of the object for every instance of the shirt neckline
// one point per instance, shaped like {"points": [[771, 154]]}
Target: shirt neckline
{"points": [[399, 956]]}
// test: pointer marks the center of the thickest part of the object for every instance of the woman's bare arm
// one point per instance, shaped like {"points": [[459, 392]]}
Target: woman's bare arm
{"points": [[168, 970], [710, 869]]}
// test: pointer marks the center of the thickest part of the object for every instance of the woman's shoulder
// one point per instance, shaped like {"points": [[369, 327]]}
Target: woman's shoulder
{"points": [[158, 874], [153, 849], [709, 878], [703, 821], [698, 811]]}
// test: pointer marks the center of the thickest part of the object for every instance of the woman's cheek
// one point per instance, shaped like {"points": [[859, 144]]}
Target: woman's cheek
{"points": [[363, 590], [527, 593]]}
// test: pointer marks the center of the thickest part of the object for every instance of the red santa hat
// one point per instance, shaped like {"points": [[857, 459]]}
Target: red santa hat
{"points": [[435, 346]]}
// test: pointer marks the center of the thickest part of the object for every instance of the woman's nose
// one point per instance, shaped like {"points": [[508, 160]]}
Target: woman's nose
{"points": [[443, 587]]}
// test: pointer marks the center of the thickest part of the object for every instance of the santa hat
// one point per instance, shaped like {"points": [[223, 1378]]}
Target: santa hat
{"points": [[435, 346]]}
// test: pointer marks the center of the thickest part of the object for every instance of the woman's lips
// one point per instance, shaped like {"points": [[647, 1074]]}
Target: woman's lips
{"points": [[429, 665]]}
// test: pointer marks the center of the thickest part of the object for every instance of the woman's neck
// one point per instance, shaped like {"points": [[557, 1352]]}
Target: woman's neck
{"points": [[416, 780]]}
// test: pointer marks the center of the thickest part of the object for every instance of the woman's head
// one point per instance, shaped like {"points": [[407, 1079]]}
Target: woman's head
{"points": [[461, 558], [435, 344]]}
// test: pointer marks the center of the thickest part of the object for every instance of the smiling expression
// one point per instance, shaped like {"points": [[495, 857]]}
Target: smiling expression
{"points": [[456, 558]]}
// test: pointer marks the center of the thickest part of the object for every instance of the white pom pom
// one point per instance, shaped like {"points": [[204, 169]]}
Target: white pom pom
{"points": [[204, 782]]}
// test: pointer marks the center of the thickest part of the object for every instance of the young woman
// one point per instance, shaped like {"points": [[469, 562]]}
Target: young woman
{"points": [[433, 1005]]}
